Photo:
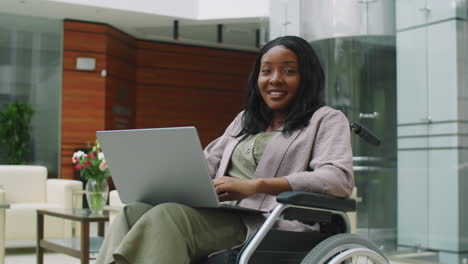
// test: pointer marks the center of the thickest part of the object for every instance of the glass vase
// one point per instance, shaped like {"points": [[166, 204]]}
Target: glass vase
{"points": [[97, 193]]}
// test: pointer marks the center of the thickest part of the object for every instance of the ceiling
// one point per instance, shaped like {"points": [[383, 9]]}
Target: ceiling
{"points": [[239, 33]]}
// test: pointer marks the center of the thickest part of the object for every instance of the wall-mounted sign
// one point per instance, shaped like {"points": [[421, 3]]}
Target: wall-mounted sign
{"points": [[85, 64]]}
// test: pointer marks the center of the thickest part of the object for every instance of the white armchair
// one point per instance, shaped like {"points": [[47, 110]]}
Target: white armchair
{"points": [[2, 225], [115, 205], [26, 189]]}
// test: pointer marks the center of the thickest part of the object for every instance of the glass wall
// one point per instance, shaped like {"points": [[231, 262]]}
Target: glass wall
{"points": [[432, 59], [409, 87], [361, 82], [30, 71]]}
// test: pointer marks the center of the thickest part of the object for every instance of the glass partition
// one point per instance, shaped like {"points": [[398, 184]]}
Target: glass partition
{"points": [[30, 71], [361, 82], [409, 88]]}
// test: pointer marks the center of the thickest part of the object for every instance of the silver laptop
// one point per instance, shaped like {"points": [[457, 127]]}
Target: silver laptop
{"points": [[160, 165]]}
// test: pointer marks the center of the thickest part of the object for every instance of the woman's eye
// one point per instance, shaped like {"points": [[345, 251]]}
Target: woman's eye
{"points": [[289, 71], [266, 70]]}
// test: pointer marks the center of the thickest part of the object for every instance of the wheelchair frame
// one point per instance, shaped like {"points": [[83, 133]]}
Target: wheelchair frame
{"points": [[249, 249], [320, 203]]}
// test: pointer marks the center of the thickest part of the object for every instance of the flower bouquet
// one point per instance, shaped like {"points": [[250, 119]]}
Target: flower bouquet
{"points": [[93, 168]]}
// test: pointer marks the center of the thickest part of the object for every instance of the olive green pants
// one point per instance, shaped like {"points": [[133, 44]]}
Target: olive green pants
{"points": [[169, 234]]}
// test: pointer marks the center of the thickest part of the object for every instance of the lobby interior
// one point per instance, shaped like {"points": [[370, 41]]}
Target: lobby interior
{"points": [[397, 66]]}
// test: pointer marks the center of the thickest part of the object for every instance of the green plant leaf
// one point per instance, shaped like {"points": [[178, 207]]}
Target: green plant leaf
{"points": [[15, 131]]}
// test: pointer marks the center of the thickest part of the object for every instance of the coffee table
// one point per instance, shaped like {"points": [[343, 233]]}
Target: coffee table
{"points": [[76, 247]]}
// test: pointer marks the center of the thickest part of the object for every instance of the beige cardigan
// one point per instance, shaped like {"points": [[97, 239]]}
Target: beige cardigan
{"points": [[317, 158]]}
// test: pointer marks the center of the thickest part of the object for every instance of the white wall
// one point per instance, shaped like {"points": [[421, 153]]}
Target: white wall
{"points": [[222, 9], [177, 8], [189, 9]]}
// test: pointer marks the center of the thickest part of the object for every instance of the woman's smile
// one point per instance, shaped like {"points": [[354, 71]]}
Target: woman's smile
{"points": [[276, 94]]}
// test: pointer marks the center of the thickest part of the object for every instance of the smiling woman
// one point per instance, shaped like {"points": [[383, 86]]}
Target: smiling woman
{"points": [[278, 143]]}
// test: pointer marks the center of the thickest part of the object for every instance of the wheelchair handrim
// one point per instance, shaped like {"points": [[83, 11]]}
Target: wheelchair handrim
{"points": [[358, 252]]}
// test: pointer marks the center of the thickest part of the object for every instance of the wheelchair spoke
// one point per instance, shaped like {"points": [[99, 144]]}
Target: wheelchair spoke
{"points": [[345, 249], [358, 260]]}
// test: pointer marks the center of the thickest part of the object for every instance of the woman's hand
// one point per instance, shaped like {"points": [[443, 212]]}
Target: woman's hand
{"points": [[230, 188]]}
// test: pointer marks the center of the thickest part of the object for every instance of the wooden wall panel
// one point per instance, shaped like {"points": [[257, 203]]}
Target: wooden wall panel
{"points": [[122, 50], [121, 72], [194, 79], [157, 59], [76, 26], [148, 84], [83, 104], [181, 85], [121, 69], [92, 102], [210, 110], [83, 92], [84, 41], [123, 37], [244, 57], [120, 104]]}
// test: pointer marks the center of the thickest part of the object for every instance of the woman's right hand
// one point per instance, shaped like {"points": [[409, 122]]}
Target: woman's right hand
{"points": [[230, 188]]}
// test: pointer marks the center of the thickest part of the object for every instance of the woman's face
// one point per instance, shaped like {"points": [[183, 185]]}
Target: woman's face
{"points": [[279, 78]]}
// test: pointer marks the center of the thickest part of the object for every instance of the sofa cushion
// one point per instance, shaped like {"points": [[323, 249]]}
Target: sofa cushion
{"points": [[23, 183], [21, 221]]}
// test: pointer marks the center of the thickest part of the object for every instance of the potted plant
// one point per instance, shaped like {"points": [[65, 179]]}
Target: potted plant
{"points": [[93, 168], [15, 131]]}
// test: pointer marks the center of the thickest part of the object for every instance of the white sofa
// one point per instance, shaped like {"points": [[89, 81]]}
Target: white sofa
{"points": [[26, 189], [115, 205], [2, 226]]}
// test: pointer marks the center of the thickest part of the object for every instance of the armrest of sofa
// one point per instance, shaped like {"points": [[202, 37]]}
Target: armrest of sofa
{"points": [[2, 225], [2, 195], [66, 193], [114, 199], [115, 205]]}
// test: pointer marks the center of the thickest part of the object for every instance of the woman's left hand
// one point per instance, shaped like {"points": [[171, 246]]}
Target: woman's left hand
{"points": [[230, 188]]}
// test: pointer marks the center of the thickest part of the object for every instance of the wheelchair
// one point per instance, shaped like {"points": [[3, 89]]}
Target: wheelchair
{"points": [[333, 244]]}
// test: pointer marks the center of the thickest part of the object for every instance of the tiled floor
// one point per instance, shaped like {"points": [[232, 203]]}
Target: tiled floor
{"points": [[28, 256]]}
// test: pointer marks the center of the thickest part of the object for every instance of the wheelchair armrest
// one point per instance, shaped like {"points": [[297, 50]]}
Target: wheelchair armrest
{"points": [[317, 200]]}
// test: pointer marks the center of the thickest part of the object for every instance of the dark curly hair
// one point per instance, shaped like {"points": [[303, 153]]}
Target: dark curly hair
{"points": [[258, 116]]}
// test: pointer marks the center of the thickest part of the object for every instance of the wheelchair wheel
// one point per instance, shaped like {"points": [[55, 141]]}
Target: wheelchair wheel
{"points": [[345, 248]]}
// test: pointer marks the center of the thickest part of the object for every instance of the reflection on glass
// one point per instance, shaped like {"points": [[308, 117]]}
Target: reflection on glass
{"points": [[361, 82], [231, 35], [30, 71]]}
